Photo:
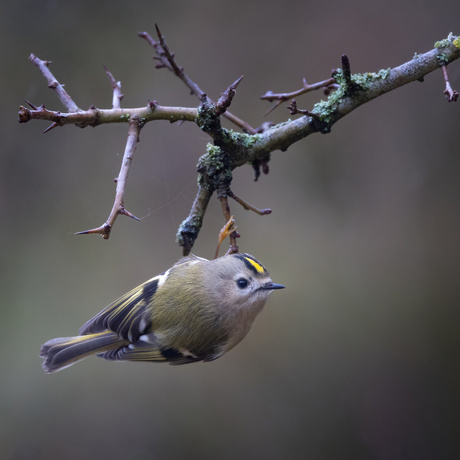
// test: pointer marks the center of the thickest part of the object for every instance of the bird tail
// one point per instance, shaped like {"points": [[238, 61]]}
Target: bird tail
{"points": [[63, 352]]}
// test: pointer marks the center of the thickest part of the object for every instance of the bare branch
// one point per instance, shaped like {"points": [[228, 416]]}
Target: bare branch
{"points": [[104, 230], [249, 207], [95, 117], [327, 85], [451, 94], [165, 59], [226, 97], [293, 110], [116, 86], [54, 84]]}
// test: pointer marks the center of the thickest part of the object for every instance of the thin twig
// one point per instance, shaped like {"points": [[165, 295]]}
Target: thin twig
{"points": [[165, 59], [116, 86], [294, 110], [119, 204], [249, 207], [451, 94], [270, 96], [54, 84]]}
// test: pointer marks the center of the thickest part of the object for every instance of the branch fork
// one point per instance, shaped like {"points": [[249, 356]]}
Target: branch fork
{"points": [[345, 91], [118, 208]]}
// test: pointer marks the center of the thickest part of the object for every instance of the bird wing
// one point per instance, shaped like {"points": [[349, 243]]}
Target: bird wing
{"points": [[128, 316], [147, 351]]}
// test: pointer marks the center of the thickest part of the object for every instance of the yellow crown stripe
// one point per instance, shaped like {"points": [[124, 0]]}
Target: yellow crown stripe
{"points": [[256, 265]]}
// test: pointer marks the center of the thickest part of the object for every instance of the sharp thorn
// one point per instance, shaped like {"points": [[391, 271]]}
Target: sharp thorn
{"points": [[50, 127]]}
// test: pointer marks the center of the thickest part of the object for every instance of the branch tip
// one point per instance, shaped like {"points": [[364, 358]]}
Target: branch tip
{"points": [[103, 230], [64, 97], [125, 212], [249, 207], [226, 97], [346, 68], [166, 59], [451, 94]]}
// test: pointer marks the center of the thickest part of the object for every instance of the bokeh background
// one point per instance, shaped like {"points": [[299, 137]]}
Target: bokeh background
{"points": [[358, 358]]}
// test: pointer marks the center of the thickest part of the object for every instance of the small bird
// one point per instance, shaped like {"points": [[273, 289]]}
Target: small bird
{"points": [[196, 311]]}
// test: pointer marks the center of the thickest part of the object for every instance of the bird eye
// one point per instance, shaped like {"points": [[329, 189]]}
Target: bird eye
{"points": [[242, 283]]}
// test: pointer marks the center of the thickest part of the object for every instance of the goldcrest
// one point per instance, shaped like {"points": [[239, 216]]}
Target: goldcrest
{"points": [[196, 311]]}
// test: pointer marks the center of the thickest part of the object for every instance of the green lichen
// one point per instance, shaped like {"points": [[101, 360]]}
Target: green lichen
{"points": [[206, 118], [214, 168], [359, 82], [365, 80], [325, 109], [214, 154], [457, 42], [447, 41], [442, 58], [243, 139], [188, 231]]}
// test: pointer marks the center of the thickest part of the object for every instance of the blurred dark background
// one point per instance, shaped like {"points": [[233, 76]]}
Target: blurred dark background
{"points": [[358, 358]]}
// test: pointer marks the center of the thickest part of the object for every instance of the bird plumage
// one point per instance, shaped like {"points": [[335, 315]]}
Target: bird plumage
{"points": [[195, 311]]}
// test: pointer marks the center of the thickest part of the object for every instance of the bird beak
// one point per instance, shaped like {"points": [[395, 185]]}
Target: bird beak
{"points": [[271, 286]]}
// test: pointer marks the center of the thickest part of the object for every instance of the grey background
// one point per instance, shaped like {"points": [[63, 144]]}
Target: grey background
{"points": [[357, 358]]}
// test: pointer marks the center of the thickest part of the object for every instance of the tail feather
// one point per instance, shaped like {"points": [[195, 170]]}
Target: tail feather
{"points": [[63, 352]]}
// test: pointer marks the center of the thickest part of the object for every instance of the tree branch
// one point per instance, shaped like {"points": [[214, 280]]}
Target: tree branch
{"points": [[95, 117], [340, 103], [54, 84], [190, 228], [451, 94], [165, 59], [328, 85], [118, 208], [116, 86], [232, 149]]}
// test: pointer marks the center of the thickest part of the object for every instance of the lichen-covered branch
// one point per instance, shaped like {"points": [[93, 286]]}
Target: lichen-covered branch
{"points": [[229, 150], [341, 102], [191, 226]]}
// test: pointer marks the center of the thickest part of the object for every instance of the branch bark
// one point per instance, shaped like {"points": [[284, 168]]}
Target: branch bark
{"points": [[165, 59], [118, 208], [229, 149]]}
